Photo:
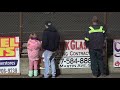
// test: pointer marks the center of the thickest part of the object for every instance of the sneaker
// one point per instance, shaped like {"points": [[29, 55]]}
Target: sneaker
{"points": [[46, 77], [94, 76], [53, 77], [102, 76]]}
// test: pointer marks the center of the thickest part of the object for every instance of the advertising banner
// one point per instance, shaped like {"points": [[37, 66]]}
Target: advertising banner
{"points": [[116, 53], [9, 56], [73, 54]]}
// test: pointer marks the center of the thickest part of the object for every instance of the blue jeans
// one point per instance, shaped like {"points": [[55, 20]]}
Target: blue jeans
{"points": [[49, 64]]}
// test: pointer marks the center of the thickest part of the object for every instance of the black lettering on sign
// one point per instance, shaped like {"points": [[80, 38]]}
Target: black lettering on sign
{"points": [[3, 71], [71, 61], [61, 65], [67, 60], [81, 60], [85, 60]]}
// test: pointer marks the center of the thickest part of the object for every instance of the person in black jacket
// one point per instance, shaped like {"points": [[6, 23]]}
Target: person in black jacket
{"points": [[50, 43], [95, 42]]}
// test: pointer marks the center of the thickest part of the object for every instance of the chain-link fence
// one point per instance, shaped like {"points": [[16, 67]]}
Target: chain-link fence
{"points": [[9, 23], [71, 25]]}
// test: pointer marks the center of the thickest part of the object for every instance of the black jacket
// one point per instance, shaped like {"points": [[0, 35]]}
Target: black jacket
{"points": [[96, 40], [50, 39]]}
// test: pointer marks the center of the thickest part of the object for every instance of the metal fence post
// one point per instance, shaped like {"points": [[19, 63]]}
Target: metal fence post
{"points": [[21, 30], [106, 56], [105, 18]]}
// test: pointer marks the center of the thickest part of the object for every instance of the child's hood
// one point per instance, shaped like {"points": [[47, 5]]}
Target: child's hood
{"points": [[33, 41]]}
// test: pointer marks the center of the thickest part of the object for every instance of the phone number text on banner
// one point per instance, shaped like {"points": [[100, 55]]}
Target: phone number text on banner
{"points": [[75, 55], [75, 62]]}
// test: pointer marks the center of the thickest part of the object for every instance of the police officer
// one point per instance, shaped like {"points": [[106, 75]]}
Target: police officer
{"points": [[95, 41]]}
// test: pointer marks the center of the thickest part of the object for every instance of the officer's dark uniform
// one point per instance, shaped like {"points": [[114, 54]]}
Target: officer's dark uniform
{"points": [[94, 38]]}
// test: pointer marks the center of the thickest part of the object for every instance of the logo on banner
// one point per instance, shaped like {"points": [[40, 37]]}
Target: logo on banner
{"points": [[117, 49], [4, 63], [117, 63], [8, 46]]}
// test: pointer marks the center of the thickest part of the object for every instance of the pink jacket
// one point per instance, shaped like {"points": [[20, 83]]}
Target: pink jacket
{"points": [[33, 48]]}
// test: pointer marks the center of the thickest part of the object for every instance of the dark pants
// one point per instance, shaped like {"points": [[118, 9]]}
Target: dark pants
{"points": [[97, 63]]}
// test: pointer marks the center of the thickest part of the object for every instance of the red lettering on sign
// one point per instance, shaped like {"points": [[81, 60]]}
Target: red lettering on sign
{"points": [[67, 45], [117, 63], [77, 47], [72, 44], [81, 45], [85, 46]]}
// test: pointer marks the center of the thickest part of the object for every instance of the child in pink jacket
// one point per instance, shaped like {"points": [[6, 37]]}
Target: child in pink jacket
{"points": [[33, 48]]}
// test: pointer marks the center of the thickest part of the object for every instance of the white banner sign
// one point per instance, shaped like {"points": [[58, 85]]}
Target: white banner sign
{"points": [[116, 53], [9, 55], [73, 54]]}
